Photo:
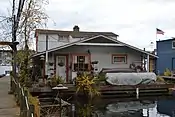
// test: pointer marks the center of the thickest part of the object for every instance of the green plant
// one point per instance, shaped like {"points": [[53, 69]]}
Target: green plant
{"points": [[23, 65], [101, 77], [86, 110], [86, 83], [54, 81], [167, 72], [34, 101], [160, 79]]}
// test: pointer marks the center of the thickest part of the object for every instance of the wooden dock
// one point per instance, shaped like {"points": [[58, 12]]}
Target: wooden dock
{"points": [[109, 91], [119, 91], [169, 78], [109, 94]]}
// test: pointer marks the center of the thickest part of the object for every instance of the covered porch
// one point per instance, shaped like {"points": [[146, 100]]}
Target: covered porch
{"points": [[91, 55], [68, 61]]}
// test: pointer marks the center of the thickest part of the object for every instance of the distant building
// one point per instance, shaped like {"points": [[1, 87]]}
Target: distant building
{"points": [[166, 54], [5, 61]]}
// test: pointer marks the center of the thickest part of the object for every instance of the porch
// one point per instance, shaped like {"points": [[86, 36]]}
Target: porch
{"points": [[66, 62]]}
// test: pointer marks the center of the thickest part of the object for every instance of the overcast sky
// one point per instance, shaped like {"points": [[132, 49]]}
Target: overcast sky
{"points": [[135, 21]]}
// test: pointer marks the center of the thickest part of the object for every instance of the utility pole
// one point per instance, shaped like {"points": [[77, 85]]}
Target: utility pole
{"points": [[13, 40], [15, 23]]}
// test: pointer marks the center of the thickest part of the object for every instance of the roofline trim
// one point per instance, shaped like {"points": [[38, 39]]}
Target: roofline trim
{"points": [[87, 39]]}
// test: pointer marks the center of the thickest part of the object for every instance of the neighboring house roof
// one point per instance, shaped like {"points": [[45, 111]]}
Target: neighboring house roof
{"points": [[172, 39], [74, 34], [87, 39]]}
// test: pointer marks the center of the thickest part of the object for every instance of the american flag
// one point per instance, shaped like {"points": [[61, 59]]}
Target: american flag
{"points": [[160, 31]]}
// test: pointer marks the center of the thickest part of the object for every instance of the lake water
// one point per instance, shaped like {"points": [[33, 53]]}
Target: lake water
{"points": [[163, 107]]}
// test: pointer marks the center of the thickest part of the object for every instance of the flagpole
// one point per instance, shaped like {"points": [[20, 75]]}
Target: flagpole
{"points": [[156, 34], [158, 31]]}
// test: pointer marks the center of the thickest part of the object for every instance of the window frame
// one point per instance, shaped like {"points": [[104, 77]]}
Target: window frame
{"points": [[63, 39], [84, 63], [173, 47], [119, 55]]}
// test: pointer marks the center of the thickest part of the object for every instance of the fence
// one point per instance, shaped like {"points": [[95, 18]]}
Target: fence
{"points": [[21, 96]]}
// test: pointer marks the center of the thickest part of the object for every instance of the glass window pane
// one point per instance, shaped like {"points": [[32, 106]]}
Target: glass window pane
{"points": [[173, 43], [119, 59]]}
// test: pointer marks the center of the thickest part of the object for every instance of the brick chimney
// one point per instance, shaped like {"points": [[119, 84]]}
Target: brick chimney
{"points": [[76, 28]]}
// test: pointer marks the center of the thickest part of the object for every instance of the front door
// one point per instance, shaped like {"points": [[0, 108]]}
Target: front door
{"points": [[61, 64]]}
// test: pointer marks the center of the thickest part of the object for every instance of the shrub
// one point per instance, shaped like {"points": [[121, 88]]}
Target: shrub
{"points": [[160, 79], [86, 83], [54, 81], [167, 72], [34, 101]]}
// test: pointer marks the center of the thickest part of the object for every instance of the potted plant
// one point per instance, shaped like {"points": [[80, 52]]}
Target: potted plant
{"points": [[61, 64], [50, 63], [54, 81]]}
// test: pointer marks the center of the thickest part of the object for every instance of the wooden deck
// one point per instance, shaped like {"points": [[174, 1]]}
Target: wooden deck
{"points": [[168, 77], [109, 91]]}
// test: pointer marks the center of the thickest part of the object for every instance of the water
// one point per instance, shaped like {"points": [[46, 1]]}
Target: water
{"points": [[163, 107]]}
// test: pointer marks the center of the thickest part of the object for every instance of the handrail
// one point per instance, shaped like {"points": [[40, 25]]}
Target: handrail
{"points": [[27, 103], [14, 81], [22, 98], [22, 92]]}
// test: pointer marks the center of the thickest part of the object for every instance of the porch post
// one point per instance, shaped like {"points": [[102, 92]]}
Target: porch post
{"points": [[148, 64], [46, 63]]}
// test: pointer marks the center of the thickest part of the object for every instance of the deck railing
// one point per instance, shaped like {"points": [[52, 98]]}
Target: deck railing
{"points": [[21, 96]]}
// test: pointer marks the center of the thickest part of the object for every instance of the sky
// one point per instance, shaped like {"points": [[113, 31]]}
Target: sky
{"points": [[135, 21]]}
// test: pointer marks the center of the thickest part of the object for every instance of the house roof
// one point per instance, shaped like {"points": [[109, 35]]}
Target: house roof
{"points": [[166, 40], [74, 34], [87, 39]]}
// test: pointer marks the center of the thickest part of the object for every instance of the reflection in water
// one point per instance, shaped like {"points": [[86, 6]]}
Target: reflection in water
{"points": [[166, 107], [132, 108], [144, 108]]}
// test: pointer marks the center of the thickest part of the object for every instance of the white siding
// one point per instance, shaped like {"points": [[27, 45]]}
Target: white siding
{"points": [[53, 41], [104, 55], [41, 42]]}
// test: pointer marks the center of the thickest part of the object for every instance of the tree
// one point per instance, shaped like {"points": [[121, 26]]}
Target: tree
{"points": [[33, 16]]}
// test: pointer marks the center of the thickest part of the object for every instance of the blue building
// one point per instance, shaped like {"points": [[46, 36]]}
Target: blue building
{"points": [[166, 54]]}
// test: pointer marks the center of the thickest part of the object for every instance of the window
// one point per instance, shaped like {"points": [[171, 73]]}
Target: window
{"points": [[119, 58], [80, 63], [63, 38], [0, 62], [1, 54], [173, 44]]}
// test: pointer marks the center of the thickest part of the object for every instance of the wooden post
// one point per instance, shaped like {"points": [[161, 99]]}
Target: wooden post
{"points": [[46, 59], [148, 63], [32, 109], [60, 102], [11, 85], [21, 103], [25, 104]]}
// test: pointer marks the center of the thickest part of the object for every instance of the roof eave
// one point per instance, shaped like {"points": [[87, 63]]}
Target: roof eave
{"points": [[80, 41]]}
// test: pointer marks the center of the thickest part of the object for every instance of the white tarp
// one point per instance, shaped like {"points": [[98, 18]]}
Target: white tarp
{"points": [[130, 78]]}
